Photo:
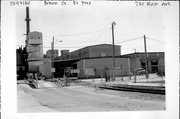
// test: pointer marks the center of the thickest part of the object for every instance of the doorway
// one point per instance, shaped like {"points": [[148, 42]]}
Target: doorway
{"points": [[154, 66]]}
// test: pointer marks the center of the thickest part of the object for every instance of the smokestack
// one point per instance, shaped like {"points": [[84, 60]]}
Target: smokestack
{"points": [[27, 23]]}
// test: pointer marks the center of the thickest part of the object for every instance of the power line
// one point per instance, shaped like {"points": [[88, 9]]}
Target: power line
{"points": [[84, 41], [69, 35], [154, 39], [58, 47], [129, 40], [157, 45], [67, 47], [116, 43]]}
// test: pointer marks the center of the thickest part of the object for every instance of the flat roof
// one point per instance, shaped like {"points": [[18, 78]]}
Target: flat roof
{"points": [[107, 57], [95, 46], [68, 60], [141, 53]]}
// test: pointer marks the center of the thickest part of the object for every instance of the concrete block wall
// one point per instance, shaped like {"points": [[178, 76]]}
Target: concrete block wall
{"points": [[99, 64]]}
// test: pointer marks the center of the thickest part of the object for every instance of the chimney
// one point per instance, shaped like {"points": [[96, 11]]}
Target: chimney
{"points": [[27, 23]]}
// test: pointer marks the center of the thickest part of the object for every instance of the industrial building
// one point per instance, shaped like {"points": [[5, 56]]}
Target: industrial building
{"points": [[91, 61], [96, 67], [45, 68], [63, 52], [101, 50], [155, 61], [30, 58], [35, 51], [52, 54], [20, 62], [36, 62]]}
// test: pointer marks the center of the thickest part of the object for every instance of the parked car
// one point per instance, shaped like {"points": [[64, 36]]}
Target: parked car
{"points": [[140, 71], [160, 73]]}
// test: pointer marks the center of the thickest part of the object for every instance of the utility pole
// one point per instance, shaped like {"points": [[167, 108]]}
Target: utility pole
{"points": [[52, 52], [146, 61], [113, 24], [52, 57], [135, 70]]}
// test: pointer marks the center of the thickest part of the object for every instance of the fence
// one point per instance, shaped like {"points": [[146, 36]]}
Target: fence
{"points": [[122, 73], [103, 72]]}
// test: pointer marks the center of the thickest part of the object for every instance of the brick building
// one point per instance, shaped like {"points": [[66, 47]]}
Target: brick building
{"points": [[101, 50], [155, 61], [52, 54], [92, 60]]}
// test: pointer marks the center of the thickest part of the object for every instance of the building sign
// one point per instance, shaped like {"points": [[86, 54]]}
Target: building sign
{"points": [[52, 69], [75, 71]]}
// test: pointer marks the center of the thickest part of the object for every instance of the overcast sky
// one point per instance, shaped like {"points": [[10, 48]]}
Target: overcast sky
{"points": [[84, 26]]}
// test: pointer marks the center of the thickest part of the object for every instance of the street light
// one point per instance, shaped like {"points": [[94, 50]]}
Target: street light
{"points": [[52, 58]]}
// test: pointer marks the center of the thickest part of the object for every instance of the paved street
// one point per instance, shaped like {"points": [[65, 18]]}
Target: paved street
{"points": [[77, 98]]}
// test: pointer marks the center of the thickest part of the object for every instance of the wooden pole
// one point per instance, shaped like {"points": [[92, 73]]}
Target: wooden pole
{"points": [[146, 61]]}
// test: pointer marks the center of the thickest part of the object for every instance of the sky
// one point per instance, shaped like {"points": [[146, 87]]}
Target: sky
{"points": [[84, 26]]}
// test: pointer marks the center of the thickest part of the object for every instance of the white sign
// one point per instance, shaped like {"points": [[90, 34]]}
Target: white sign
{"points": [[52, 69], [75, 71]]}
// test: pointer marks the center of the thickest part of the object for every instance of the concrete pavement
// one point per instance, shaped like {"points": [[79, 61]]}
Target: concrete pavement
{"points": [[78, 98], [28, 103]]}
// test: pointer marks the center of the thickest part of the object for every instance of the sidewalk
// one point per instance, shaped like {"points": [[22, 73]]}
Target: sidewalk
{"points": [[27, 103]]}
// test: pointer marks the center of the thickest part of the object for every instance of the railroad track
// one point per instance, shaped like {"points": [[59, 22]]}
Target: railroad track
{"points": [[142, 89], [130, 88]]}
